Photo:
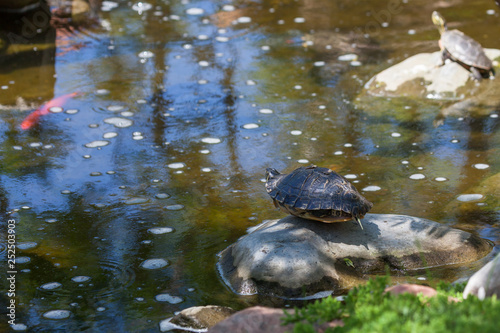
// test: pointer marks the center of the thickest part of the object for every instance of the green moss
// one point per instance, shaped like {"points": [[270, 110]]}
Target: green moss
{"points": [[369, 309]]}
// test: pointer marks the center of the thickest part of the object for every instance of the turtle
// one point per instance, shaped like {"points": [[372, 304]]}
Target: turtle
{"points": [[316, 193], [457, 46]]}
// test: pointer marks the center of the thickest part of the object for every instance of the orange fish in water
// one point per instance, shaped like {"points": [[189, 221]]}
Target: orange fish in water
{"points": [[33, 118]]}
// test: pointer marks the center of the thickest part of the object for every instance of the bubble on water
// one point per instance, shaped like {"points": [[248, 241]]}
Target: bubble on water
{"points": [[141, 101], [204, 151], [17, 147], [206, 169], [136, 201], [175, 17], [297, 87], [168, 298], [303, 161], [127, 113], [106, 6], [211, 140], [115, 108], [250, 126], [244, 19], [348, 57], [140, 7], [56, 109], [35, 144], [417, 176], [455, 141], [251, 83], [319, 63], [347, 145], [338, 152], [81, 279], [350, 176], [405, 162], [202, 37], [101, 309], [396, 135], [481, 166], [155, 263], [23, 260], [96, 173], [295, 132], [202, 81], [187, 46], [411, 32], [86, 156], [51, 285], [265, 111], [66, 192], [19, 327], [57, 314], [371, 188], [137, 137], [162, 196], [195, 11], [51, 220], [494, 115], [160, 230], [145, 54], [265, 47], [203, 63], [93, 125], [174, 207], [72, 111], [490, 11], [299, 20], [97, 143], [177, 165], [440, 179], [26, 245], [109, 135], [228, 8], [469, 197], [356, 63], [119, 122], [222, 39]]}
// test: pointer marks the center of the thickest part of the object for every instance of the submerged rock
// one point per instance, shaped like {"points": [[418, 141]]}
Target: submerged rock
{"points": [[486, 281], [297, 258], [197, 318]]}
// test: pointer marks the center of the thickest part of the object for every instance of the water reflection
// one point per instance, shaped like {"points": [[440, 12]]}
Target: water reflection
{"points": [[185, 105]]}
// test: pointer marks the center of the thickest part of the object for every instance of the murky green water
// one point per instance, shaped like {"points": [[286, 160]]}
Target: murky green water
{"points": [[209, 94]]}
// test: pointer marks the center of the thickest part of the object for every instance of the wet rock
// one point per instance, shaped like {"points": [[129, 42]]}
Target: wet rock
{"points": [[414, 289], [260, 319], [296, 258], [419, 76], [197, 318], [486, 281]]}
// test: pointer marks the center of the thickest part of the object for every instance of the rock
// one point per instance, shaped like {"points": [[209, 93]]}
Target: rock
{"points": [[197, 318], [486, 281], [297, 258], [414, 289], [260, 319], [419, 76]]}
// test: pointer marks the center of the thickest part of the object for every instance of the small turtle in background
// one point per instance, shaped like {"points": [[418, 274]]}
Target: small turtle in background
{"points": [[459, 47], [316, 193]]}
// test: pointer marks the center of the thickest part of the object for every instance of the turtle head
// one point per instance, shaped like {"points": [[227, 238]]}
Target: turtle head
{"points": [[439, 21], [271, 174], [272, 177]]}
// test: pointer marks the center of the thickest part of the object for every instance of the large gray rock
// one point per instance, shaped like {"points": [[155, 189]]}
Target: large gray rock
{"points": [[419, 76], [293, 257], [486, 281]]}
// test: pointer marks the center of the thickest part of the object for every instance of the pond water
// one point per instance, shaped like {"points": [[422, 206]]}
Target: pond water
{"points": [[123, 200]]}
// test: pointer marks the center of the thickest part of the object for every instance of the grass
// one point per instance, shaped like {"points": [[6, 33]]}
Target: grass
{"points": [[369, 309]]}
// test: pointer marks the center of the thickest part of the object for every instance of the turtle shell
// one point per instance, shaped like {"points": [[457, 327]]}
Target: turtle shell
{"points": [[464, 49], [316, 193]]}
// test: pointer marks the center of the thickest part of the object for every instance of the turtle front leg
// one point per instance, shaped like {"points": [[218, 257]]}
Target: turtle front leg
{"points": [[476, 73]]}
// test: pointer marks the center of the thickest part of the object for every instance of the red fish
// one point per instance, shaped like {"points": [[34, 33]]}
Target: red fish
{"points": [[33, 118]]}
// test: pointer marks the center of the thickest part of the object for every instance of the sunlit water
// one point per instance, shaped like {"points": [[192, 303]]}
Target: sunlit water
{"points": [[124, 198]]}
